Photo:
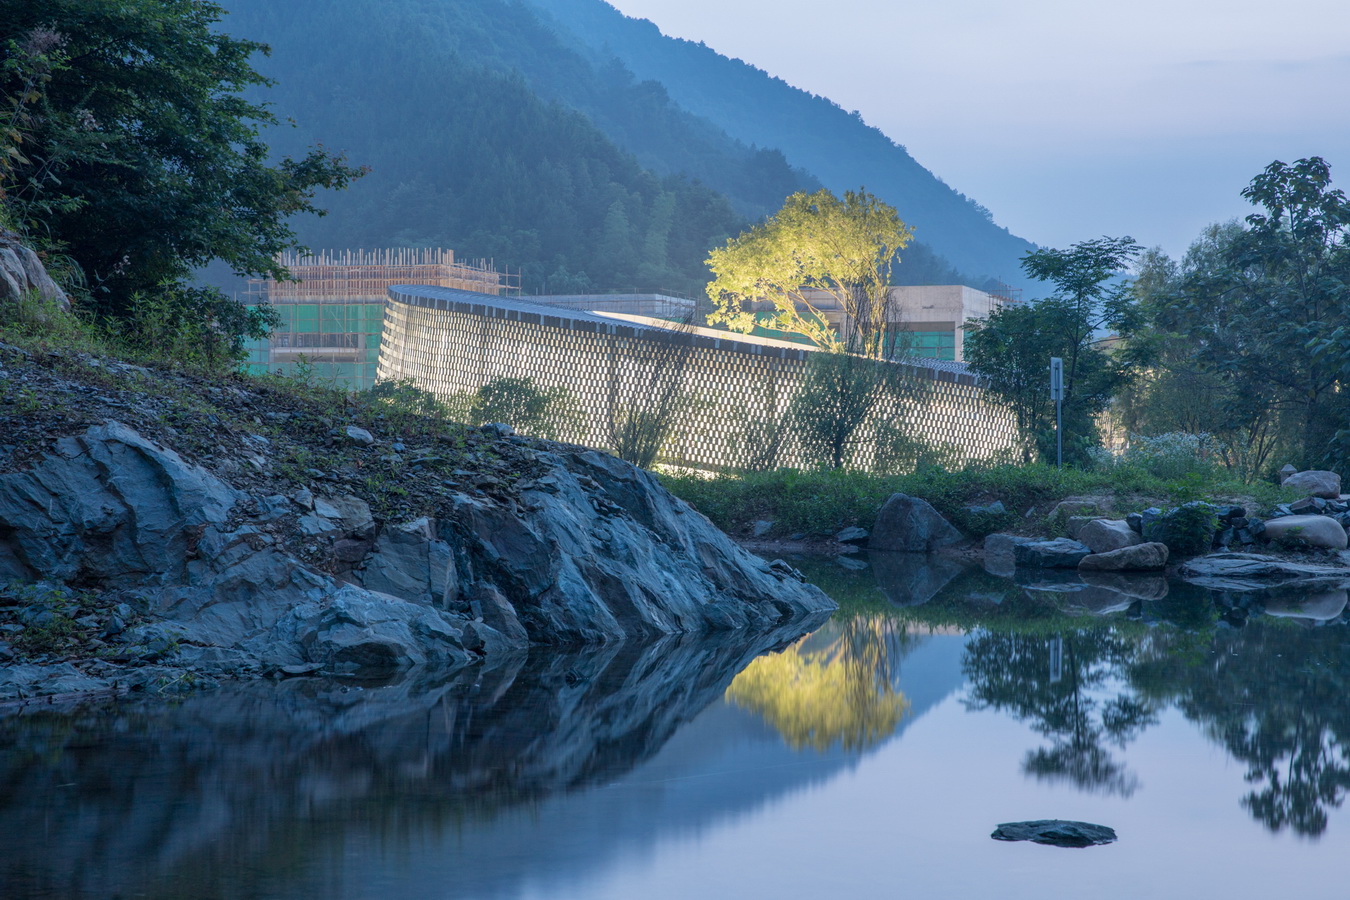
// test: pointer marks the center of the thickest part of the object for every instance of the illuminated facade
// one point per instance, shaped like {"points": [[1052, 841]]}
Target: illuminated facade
{"points": [[453, 342]]}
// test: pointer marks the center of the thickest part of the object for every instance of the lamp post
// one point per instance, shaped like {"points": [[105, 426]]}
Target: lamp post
{"points": [[1057, 394]]}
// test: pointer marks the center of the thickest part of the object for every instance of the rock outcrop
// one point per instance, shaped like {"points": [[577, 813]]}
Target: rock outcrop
{"points": [[22, 275], [594, 550]]}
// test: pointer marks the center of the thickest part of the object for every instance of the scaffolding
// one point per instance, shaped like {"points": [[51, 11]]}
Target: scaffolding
{"points": [[332, 313]]}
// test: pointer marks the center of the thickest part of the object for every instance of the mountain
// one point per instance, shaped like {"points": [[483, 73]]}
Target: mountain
{"points": [[814, 134], [492, 127]]}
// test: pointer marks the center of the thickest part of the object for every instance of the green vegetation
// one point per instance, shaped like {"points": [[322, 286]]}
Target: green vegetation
{"points": [[815, 245], [820, 502], [133, 150], [1011, 349]]}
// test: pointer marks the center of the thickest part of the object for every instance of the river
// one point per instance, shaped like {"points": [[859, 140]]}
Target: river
{"points": [[869, 757]]}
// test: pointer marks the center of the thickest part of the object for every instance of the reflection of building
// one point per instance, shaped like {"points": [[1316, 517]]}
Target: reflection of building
{"points": [[332, 314], [929, 316]]}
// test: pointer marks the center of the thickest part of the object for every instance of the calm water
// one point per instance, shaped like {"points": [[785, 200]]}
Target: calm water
{"points": [[870, 758]]}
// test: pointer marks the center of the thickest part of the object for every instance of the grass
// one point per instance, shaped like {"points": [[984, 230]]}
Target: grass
{"points": [[820, 502]]}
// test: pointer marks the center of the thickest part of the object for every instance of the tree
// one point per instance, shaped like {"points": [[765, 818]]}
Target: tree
{"points": [[142, 155], [1272, 312], [1178, 391], [1011, 349], [815, 243]]}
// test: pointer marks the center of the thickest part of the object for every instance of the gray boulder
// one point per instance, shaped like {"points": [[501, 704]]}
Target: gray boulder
{"points": [[1105, 535], [1148, 557], [1322, 532], [1242, 572], [22, 275], [1060, 553], [910, 525], [998, 552], [1316, 483], [853, 535]]}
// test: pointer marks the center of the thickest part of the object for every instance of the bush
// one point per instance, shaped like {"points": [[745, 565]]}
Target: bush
{"points": [[197, 328], [519, 402], [1173, 456]]}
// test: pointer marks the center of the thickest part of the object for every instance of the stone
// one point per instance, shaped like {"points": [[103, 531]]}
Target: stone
{"points": [[1056, 832], [1287, 471], [350, 514], [853, 535], [22, 274], [761, 528], [1244, 572], [989, 509], [1148, 557], [1074, 524], [360, 436], [998, 552], [1061, 553], [1322, 532], [1135, 586], [1136, 523], [911, 525], [1105, 535], [1316, 483], [1066, 508]]}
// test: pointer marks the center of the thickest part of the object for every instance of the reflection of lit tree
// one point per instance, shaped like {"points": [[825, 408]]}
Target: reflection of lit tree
{"points": [[1274, 696], [1051, 682], [837, 686]]}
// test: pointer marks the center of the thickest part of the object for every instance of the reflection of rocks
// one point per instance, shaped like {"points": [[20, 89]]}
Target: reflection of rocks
{"points": [[175, 796], [909, 579], [1254, 571], [1138, 587], [1321, 606], [998, 553]]}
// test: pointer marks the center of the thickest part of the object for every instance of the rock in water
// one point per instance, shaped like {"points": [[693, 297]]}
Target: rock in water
{"points": [[1058, 832], [1139, 558], [910, 525], [1060, 553]]}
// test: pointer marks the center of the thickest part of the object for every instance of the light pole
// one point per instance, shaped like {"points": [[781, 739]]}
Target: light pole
{"points": [[1057, 394]]}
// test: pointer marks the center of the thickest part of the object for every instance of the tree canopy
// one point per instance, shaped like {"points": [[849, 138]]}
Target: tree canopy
{"points": [[141, 155], [1011, 349], [816, 243]]}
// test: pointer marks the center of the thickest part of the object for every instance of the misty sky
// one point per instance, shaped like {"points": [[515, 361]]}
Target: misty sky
{"points": [[1069, 119]]}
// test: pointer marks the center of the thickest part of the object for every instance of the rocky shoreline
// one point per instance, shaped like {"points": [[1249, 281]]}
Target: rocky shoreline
{"points": [[128, 565]]}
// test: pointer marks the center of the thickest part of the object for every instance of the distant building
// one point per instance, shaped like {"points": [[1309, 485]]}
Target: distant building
{"points": [[929, 316], [332, 315]]}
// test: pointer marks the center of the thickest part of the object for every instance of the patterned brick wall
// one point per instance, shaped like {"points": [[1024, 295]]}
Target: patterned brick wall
{"points": [[453, 342]]}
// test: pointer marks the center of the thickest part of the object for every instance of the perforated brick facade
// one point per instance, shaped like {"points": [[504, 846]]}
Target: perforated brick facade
{"points": [[453, 342]]}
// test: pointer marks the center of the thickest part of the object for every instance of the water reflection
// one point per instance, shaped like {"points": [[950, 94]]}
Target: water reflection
{"points": [[1063, 686], [224, 794], [837, 687], [1090, 662]]}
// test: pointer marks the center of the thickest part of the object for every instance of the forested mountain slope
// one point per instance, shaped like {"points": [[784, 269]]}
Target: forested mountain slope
{"points": [[814, 133], [492, 129]]}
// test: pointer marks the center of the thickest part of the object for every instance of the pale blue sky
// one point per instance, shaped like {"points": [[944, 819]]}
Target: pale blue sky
{"points": [[1067, 118]]}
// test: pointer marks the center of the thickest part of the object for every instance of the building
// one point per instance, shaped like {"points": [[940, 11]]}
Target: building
{"points": [[333, 312], [929, 316]]}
